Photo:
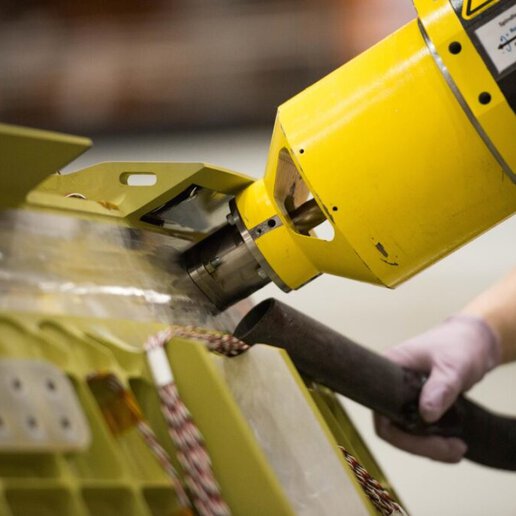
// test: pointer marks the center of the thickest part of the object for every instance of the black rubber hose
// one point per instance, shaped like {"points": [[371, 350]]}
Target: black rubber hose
{"points": [[358, 373]]}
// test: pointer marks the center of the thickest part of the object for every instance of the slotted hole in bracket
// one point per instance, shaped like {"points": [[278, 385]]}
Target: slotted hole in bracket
{"points": [[138, 178]]}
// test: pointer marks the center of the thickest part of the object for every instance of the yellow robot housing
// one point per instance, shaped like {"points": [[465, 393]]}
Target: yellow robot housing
{"points": [[409, 151]]}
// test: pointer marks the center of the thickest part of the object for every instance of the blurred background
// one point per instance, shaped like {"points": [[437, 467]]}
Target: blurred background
{"points": [[132, 66], [200, 80]]}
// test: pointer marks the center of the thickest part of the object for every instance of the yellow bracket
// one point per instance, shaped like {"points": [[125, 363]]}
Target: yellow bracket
{"points": [[30, 160], [107, 189]]}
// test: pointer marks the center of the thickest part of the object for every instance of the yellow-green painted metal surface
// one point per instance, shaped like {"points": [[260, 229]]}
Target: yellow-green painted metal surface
{"points": [[27, 156], [77, 260], [117, 474]]}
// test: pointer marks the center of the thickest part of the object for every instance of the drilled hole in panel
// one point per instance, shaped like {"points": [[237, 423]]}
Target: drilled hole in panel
{"points": [[51, 386], [32, 423], [16, 385], [65, 423]]}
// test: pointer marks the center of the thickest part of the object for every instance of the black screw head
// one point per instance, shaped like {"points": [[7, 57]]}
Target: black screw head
{"points": [[454, 47], [484, 97]]}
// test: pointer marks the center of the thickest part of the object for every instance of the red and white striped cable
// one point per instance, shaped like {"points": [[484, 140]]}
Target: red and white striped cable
{"points": [[163, 458], [191, 451], [379, 496]]}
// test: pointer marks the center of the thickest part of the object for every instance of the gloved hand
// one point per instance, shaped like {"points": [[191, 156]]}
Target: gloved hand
{"points": [[457, 354]]}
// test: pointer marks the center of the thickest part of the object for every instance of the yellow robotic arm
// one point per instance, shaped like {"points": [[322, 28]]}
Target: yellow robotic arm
{"points": [[408, 152]]}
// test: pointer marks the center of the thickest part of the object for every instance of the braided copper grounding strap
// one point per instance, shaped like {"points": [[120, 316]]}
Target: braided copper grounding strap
{"points": [[189, 442]]}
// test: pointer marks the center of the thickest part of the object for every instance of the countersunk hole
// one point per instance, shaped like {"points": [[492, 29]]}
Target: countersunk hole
{"points": [[454, 47], [335, 208], [301, 151], [258, 231], [31, 422], [271, 223], [65, 423], [51, 386], [16, 384], [484, 97]]}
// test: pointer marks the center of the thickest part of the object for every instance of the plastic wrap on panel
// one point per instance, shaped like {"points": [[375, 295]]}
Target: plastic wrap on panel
{"points": [[61, 264], [292, 437]]}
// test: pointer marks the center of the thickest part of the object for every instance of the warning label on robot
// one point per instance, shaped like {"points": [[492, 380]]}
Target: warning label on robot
{"points": [[498, 37], [472, 8], [491, 26]]}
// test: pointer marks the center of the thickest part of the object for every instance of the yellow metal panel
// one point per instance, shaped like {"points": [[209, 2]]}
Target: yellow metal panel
{"points": [[120, 469]]}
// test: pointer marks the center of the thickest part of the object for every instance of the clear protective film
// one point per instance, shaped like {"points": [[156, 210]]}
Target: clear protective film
{"points": [[62, 264]]}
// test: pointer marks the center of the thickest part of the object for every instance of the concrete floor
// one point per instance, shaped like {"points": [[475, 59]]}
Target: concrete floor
{"points": [[378, 318]]}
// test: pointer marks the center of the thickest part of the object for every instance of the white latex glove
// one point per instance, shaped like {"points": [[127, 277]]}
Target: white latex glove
{"points": [[457, 354]]}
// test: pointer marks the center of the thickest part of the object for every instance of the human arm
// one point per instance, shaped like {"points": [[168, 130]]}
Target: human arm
{"points": [[457, 354], [497, 307]]}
